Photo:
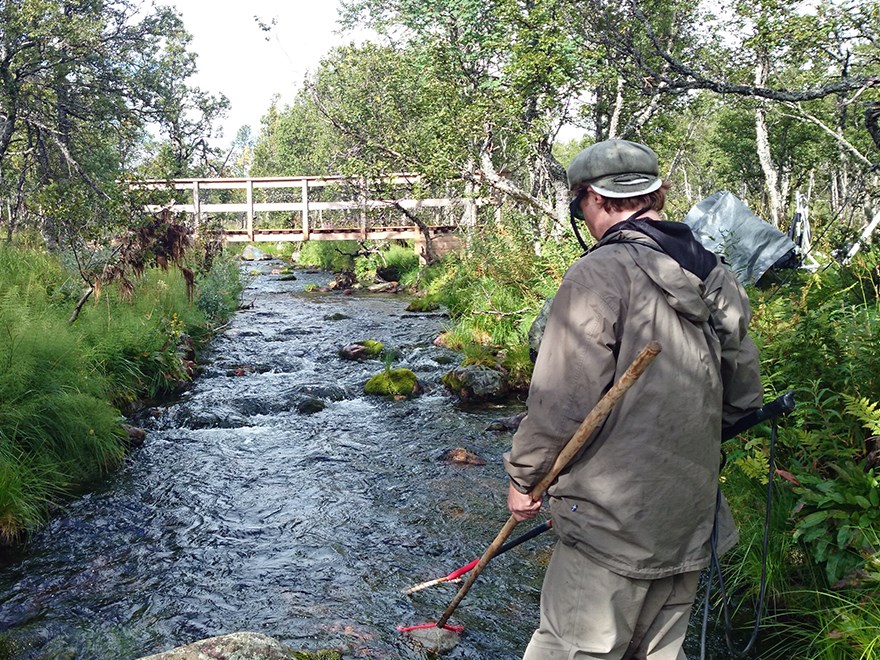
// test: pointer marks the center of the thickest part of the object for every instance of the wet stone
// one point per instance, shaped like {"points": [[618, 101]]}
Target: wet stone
{"points": [[310, 405]]}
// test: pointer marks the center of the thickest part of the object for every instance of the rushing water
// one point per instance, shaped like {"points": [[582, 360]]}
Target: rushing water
{"points": [[242, 513]]}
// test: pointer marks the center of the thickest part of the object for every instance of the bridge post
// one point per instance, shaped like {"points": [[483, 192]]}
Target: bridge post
{"points": [[363, 200], [250, 209], [305, 211], [197, 205]]}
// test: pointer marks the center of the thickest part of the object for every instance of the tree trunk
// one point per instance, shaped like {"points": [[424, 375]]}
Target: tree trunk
{"points": [[762, 136]]}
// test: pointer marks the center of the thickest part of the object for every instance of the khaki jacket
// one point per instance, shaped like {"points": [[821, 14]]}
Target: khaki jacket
{"points": [[641, 497]]}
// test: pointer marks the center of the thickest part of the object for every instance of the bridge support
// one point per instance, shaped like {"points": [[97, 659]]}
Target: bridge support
{"points": [[441, 244]]}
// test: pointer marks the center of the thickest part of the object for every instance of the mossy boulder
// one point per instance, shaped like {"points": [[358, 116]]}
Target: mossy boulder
{"points": [[362, 350], [393, 382]]}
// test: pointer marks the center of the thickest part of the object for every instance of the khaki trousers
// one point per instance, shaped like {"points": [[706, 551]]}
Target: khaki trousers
{"points": [[589, 612]]}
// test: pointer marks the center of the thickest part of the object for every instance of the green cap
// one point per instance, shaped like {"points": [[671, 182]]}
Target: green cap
{"points": [[616, 168]]}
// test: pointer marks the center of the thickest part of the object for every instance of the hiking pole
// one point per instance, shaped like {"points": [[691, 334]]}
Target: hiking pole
{"points": [[593, 420], [455, 575]]}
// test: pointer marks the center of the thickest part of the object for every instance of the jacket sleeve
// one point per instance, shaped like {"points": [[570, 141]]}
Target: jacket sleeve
{"points": [[575, 367], [740, 365]]}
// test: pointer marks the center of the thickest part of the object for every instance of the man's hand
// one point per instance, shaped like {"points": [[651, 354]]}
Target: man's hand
{"points": [[521, 505]]}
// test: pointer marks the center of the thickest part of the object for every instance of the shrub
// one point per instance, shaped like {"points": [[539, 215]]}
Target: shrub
{"points": [[335, 256]]}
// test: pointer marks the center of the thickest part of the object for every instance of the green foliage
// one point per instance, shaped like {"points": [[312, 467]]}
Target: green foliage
{"points": [[335, 256], [836, 516], [56, 426], [218, 291], [496, 287], [423, 304], [832, 625], [61, 385], [82, 84], [818, 335]]}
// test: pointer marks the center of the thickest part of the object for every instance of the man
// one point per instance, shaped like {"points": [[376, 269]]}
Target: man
{"points": [[634, 512]]}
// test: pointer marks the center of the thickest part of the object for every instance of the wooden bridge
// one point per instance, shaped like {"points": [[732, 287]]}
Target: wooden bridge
{"points": [[305, 208]]}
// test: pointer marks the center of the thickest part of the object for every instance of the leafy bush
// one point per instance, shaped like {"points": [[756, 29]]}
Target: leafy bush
{"points": [[335, 256], [219, 289]]}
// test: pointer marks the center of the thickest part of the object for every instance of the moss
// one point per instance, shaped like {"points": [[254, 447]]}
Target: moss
{"points": [[393, 382], [374, 348], [452, 381], [317, 655], [423, 305], [480, 361]]}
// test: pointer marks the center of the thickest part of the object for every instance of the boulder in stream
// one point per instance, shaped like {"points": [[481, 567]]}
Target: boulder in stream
{"points": [[250, 253], [476, 383], [394, 382], [507, 423], [462, 456], [383, 287], [424, 304], [234, 646], [362, 350], [309, 405]]}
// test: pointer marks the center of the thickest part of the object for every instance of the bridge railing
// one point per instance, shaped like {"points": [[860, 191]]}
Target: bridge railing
{"points": [[315, 202]]}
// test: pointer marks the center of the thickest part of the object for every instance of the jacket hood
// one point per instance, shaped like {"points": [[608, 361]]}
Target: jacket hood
{"points": [[675, 262]]}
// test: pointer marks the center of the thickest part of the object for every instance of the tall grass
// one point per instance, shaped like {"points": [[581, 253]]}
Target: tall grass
{"points": [[62, 386]]}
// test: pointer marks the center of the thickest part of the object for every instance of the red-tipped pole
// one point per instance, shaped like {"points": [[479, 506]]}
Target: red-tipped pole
{"points": [[458, 572]]}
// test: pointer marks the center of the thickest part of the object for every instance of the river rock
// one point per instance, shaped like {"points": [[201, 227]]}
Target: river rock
{"points": [[383, 287], [462, 456], [388, 273], [250, 253], [217, 417], [309, 405], [422, 305], [134, 436], [343, 280], [328, 391], [361, 350], [395, 383], [507, 423], [476, 383], [235, 646]]}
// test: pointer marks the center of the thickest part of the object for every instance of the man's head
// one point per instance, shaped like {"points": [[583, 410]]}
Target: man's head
{"points": [[625, 173]]}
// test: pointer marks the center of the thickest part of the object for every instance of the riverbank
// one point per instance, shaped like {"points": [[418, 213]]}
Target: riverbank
{"points": [[66, 386]]}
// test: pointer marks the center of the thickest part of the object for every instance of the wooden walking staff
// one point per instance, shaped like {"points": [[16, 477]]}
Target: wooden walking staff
{"points": [[578, 440]]}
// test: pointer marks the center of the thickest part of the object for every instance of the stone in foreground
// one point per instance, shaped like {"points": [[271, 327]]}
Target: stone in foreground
{"points": [[235, 646]]}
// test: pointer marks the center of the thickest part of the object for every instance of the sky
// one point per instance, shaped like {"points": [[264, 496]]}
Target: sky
{"points": [[246, 64]]}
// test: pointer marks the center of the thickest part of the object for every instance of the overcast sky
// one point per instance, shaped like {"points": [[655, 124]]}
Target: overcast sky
{"points": [[248, 65]]}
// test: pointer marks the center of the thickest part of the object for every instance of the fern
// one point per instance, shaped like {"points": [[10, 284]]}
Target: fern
{"points": [[867, 412]]}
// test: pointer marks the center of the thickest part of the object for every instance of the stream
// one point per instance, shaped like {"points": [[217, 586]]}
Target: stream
{"points": [[245, 510]]}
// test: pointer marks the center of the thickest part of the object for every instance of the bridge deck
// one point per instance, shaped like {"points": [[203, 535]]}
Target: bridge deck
{"points": [[332, 234]]}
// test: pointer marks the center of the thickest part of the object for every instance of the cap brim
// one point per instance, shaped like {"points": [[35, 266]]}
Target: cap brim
{"points": [[617, 187]]}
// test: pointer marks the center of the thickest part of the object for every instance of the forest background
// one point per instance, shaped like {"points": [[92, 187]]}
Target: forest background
{"points": [[775, 102]]}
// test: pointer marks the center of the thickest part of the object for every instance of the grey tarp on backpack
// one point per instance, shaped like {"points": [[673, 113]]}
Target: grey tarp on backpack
{"points": [[726, 226]]}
